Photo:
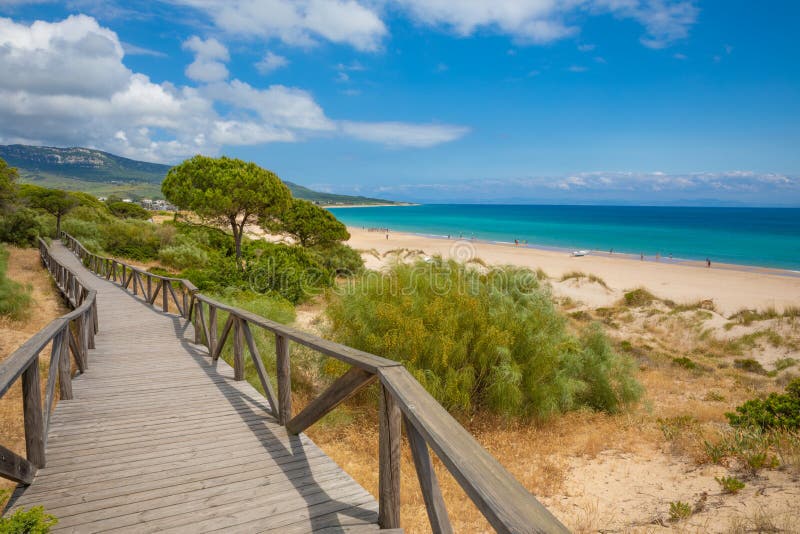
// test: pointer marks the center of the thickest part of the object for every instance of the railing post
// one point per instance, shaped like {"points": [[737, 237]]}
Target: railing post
{"points": [[32, 408], [238, 350], [390, 428], [164, 296], [284, 379], [185, 296], [149, 288], [212, 328], [64, 375], [197, 321]]}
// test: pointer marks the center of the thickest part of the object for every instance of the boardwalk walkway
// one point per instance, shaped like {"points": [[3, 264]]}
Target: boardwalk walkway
{"points": [[157, 439]]}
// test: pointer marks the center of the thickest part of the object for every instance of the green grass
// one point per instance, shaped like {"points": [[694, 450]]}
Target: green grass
{"points": [[578, 275], [730, 485], [15, 299], [638, 297]]}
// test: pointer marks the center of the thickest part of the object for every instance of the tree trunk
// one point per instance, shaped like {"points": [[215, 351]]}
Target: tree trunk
{"points": [[237, 238]]}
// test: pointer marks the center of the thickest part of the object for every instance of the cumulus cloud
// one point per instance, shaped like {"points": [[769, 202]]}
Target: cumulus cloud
{"points": [[297, 22], [209, 60], [271, 62], [111, 107]]}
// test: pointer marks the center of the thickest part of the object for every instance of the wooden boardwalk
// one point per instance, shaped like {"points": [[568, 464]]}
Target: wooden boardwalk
{"points": [[158, 439]]}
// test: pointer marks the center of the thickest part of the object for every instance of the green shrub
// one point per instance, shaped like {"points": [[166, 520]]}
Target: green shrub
{"points": [[128, 210], [21, 227], [784, 363], [638, 298], [750, 365], [289, 271], [339, 258], [730, 484], [482, 339], [679, 510], [31, 521], [685, 362], [183, 256], [780, 411], [15, 299]]}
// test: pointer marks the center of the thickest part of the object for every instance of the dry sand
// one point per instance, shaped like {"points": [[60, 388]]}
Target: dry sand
{"points": [[730, 287]]}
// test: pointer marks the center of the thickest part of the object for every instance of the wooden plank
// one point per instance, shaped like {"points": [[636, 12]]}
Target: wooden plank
{"points": [[389, 439], [32, 414], [64, 368], [342, 389], [284, 378], [238, 350], [508, 506], [50, 386], [428, 483], [221, 343], [262, 372], [15, 467], [212, 329]]}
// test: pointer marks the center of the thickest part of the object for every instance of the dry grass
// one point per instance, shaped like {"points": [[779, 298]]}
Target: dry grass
{"points": [[24, 267]]}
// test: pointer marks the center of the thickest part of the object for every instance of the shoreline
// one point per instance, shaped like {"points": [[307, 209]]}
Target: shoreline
{"points": [[731, 286]]}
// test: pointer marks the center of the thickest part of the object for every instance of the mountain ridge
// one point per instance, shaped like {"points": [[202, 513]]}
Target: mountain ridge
{"points": [[93, 171]]}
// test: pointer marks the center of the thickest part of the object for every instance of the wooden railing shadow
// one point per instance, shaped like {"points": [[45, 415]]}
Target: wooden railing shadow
{"points": [[293, 461], [403, 402]]}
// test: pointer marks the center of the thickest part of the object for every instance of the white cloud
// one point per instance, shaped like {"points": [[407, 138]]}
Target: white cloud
{"points": [[271, 62], [299, 22], [403, 134], [209, 60], [134, 50], [113, 108], [544, 21], [577, 68]]}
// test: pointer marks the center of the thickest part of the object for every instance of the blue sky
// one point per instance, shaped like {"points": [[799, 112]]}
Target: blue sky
{"points": [[642, 101]]}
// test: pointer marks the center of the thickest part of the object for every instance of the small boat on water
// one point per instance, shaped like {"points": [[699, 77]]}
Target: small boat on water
{"points": [[578, 253]]}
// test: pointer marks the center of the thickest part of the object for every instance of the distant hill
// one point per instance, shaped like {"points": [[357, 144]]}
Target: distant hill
{"points": [[101, 173]]}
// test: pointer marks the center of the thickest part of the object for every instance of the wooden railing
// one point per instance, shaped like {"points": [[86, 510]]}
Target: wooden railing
{"points": [[72, 333], [505, 503]]}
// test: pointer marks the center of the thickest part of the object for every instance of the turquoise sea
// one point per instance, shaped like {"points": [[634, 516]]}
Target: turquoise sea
{"points": [[768, 237]]}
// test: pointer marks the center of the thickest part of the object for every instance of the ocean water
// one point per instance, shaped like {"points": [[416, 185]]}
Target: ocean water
{"points": [[768, 237]]}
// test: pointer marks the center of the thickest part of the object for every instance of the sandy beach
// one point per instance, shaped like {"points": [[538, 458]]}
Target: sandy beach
{"points": [[731, 287]]}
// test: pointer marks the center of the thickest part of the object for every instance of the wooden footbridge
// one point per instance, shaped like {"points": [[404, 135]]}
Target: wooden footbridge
{"points": [[154, 432]]}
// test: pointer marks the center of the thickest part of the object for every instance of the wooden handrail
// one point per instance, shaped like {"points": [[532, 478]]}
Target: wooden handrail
{"points": [[24, 363], [505, 503]]}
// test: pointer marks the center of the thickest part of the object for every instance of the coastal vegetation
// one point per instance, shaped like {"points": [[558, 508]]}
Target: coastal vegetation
{"points": [[14, 297], [481, 339]]}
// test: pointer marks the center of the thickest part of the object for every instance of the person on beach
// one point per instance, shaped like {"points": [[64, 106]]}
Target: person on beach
{"points": [[708, 263], [516, 242], [641, 256]]}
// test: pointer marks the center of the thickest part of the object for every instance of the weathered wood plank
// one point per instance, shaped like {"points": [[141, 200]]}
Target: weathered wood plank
{"points": [[389, 439], [15, 467], [260, 369], [429, 484], [342, 389], [284, 378], [32, 414], [507, 505]]}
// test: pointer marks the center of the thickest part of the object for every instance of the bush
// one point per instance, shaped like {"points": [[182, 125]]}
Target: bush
{"points": [[780, 411], [183, 256], [482, 339], [32, 521], [679, 510], [21, 227], [730, 484], [638, 298], [750, 365], [15, 299], [128, 210], [290, 271], [339, 258]]}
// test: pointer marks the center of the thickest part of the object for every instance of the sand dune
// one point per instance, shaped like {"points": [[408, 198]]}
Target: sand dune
{"points": [[730, 287]]}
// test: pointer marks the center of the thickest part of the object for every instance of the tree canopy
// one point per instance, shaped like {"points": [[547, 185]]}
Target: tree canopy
{"points": [[128, 210], [8, 178], [309, 224], [227, 190], [54, 201]]}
